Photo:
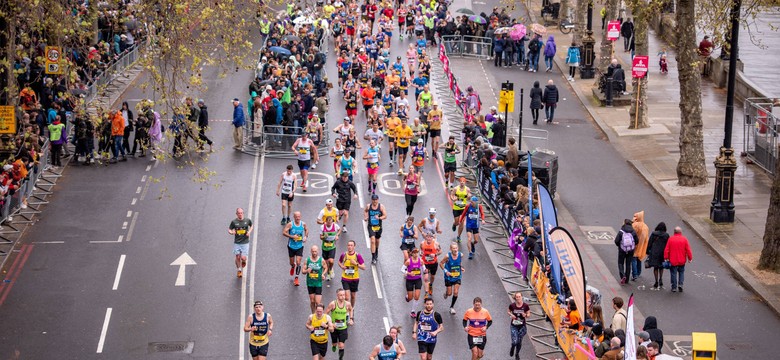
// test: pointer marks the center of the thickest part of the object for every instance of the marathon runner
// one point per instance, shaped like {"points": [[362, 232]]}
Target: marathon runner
{"points": [[328, 210], [314, 267], [418, 154], [340, 190], [395, 330], [430, 255], [427, 326], [261, 326], [403, 135], [434, 132], [391, 123], [287, 185], [351, 263], [306, 151], [414, 272], [347, 164], [240, 228], [385, 351], [408, 233], [430, 225], [450, 161], [459, 196], [473, 216], [374, 214], [453, 273], [411, 189], [372, 157], [329, 235], [518, 313], [340, 310], [374, 133], [476, 321], [296, 233], [336, 152], [320, 325]]}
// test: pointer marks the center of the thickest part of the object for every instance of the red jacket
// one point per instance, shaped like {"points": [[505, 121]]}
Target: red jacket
{"points": [[677, 250]]}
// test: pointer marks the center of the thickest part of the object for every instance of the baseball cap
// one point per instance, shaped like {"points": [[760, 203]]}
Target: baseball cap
{"points": [[328, 201], [420, 141], [432, 210], [374, 197], [236, 99]]}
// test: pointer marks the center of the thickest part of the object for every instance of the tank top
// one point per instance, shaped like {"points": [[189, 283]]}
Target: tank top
{"points": [[340, 316], [259, 337], [373, 222], [314, 278], [429, 252], [338, 152], [373, 158], [418, 156], [426, 325], [472, 217], [460, 202], [320, 332], [287, 183], [350, 143], [304, 150], [329, 241], [333, 212], [429, 227], [411, 185], [414, 270], [387, 354], [408, 234], [453, 267], [449, 152], [346, 164], [351, 271], [345, 130], [297, 232], [314, 134]]}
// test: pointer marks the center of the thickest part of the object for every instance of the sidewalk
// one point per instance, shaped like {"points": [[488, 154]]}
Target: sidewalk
{"points": [[654, 153]]}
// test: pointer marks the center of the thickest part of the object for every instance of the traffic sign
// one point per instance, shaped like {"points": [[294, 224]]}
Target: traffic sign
{"points": [[54, 64], [7, 119], [53, 53], [506, 98], [639, 66], [613, 30]]}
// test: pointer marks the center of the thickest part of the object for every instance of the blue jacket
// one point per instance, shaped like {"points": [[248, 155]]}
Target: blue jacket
{"points": [[499, 46], [573, 56], [238, 116]]}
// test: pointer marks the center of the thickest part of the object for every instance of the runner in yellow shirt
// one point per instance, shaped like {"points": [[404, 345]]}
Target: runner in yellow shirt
{"points": [[391, 123], [403, 135]]}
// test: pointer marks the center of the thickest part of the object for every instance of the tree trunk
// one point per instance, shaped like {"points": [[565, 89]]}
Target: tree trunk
{"points": [[691, 169], [580, 21], [641, 47], [770, 254], [605, 55]]}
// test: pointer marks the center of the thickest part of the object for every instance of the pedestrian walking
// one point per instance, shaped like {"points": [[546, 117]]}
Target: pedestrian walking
{"points": [[676, 252], [573, 60], [534, 48], [203, 124], [536, 101], [655, 254], [550, 97], [640, 253], [117, 134], [656, 335], [238, 124], [627, 32], [127, 114], [626, 240], [549, 52]]}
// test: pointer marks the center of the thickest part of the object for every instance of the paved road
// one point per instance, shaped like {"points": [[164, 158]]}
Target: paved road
{"points": [[108, 289], [600, 189]]}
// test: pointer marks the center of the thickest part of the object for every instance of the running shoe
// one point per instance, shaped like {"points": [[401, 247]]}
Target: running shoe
{"points": [[454, 227], [333, 348], [296, 282], [452, 311], [283, 222], [239, 274], [458, 239], [471, 256], [413, 314], [444, 295], [292, 270], [344, 229], [373, 261], [313, 166]]}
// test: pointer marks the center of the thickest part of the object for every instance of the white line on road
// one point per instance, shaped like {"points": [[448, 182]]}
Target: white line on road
{"points": [[103, 332], [138, 190], [119, 240], [49, 242], [132, 226], [129, 213], [242, 335], [146, 190], [148, 167], [134, 201], [124, 225], [143, 178], [119, 272], [387, 324], [376, 283]]}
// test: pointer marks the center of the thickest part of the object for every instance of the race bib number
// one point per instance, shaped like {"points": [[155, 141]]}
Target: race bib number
{"points": [[373, 165], [454, 274], [327, 243], [460, 204], [409, 241], [340, 324], [319, 332], [303, 151], [429, 258], [425, 327], [415, 272], [241, 232], [517, 322], [411, 186], [376, 228], [402, 141], [258, 337], [420, 158], [473, 216], [477, 340], [314, 275], [349, 271]]}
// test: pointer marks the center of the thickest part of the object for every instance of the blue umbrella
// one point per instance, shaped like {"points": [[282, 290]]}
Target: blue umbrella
{"points": [[280, 50]]}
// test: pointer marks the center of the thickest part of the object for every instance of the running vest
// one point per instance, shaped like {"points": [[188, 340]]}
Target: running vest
{"points": [[373, 158], [351, 271], [429, 227], [333, 212], [414, 270], [297, 232], [340, 316], [472, 217], [329, 237], [338, 152], [314, 134], [429, 253], [373, 221], [314, 277], [408, 234], [320, 332], [453, 267], [460, 193], [418, 156], [304, 150], [387, 354], [449, 153], [287, 183], [259, 337], [411, 185], [346, 165], [426, 325]]}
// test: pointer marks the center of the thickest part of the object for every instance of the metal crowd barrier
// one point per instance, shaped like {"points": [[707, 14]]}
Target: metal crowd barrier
{"points": [[760, 133], [114, 70], [467, 46], [278, 140]]}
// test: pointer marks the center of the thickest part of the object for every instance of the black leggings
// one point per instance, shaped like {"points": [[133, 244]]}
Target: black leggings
{"points": [[572, 71], [498, 61], [535, 114], [410, 200]]}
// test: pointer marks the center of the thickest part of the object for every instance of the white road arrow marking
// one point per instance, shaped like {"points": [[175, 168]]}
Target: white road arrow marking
{"points": [[182, 262]]}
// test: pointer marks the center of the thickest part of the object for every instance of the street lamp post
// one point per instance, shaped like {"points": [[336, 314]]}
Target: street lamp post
{"points": [[587, 70], [722, 208]]}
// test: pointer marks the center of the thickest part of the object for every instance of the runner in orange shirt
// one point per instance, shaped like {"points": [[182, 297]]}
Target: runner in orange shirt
{"points": [[368, 94], [476, 321]]}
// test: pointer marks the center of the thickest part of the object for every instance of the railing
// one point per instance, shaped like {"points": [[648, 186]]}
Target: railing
{"points": [[466, 45], [760, 132], [113, 70]]}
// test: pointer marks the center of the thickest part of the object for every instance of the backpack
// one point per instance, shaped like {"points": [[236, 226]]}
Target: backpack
{"points": [[533, 45], [627, 241]]}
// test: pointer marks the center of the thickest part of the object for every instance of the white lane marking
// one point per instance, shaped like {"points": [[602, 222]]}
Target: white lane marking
{"points": [[138, 190], [119, 271], [148, 167], [376, 283], [132, 226], [119, 240], [365, 224], [155, 164], [124, 225], [49, 242], [146, 190], [387, 324], [135, 200], [103, 332], [129, 213], [182, 261], [256, 208], [143, 178], [242, 334]]}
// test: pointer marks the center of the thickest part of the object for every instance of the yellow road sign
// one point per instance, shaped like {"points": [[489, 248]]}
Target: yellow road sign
{"points": [[54, 65], [7, 119], [506, 101]]}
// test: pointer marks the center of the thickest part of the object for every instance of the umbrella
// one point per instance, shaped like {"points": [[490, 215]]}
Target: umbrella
{"points": [[280, 50], [518, 31], [504, 30], [466, 11], [291, 38], [302, 20], [477, 19], [539, 29]]}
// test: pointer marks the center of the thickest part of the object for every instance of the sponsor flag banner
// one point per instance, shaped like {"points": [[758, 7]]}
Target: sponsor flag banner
{"points": [[571, 264]]}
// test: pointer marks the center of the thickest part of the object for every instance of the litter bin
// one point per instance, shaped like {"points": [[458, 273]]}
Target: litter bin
{"points": [[704, 346], [544, 166]]}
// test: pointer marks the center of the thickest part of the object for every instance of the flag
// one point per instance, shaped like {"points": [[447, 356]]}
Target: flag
{"points": [[571, 264], [549, 219], [630, 345]]}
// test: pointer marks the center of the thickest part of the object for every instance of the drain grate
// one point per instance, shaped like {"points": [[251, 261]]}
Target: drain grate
{"points": [[180, 347]]}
